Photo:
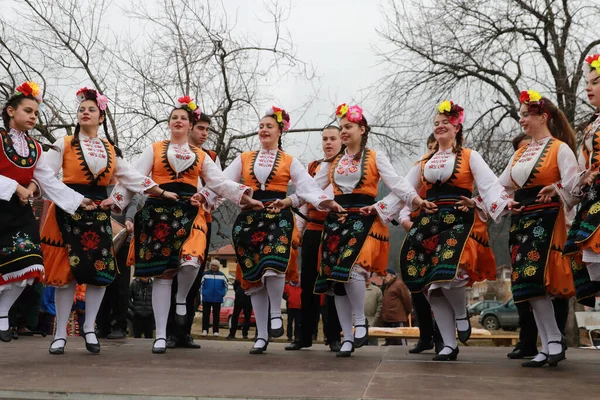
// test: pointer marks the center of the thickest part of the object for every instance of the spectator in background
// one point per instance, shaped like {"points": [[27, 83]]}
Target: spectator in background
{"points": [[292, 292], [47, 319], [242, 303], [214, 287], [140, 302], [373, 303], [397, 305]]}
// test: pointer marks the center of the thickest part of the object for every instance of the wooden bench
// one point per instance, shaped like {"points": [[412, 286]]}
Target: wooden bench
{"points": [[590, 321], [505, 339]]}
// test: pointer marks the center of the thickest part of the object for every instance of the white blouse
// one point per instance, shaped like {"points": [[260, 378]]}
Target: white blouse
{"points": [[180, 157], [50, 187], [567, 187], [492, 197], [96, 157], [306, 187]]}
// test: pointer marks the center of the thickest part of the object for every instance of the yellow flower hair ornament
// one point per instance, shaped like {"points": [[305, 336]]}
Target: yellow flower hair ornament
{"points": [[29, 88], [455, 113], [594, 62], [534, 102]]}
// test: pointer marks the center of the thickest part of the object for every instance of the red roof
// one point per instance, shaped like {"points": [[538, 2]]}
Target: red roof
{"points": [[223, 251]]}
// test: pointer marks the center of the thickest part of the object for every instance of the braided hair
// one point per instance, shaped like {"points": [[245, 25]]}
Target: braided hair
{"points": [[91, 94]]}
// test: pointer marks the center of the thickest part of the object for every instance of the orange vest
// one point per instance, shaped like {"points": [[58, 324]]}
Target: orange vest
{"points": [[278, 179], [369, 179], [546, 170], [75, 169], [213, 156], [461, 177], [162, 172], [315, 215]]}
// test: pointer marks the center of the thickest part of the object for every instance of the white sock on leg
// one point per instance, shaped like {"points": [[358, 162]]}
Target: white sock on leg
{"points": [[260, 304], [63, 301], [7, 299], [543, 338], [457, 300], [544, 313], [344, 312], [93, 299], [444, 317], [357, 292], [185, 279], [275, 286], [161, 303]]}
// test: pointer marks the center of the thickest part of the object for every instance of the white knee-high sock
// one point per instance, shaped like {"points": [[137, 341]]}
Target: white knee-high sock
{"points": [[544, 313], [260, 304], [161, 303], [344, 312], [457, 299], [543, 338], [275, 286], [357, 292], [63, 301], [93, 299], [444, 317], [7, 299], [185, 279]]}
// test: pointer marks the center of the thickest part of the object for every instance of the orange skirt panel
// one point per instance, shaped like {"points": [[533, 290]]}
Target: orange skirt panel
{"points": [[558, 273], [56, 257], [477, 258], [374, 254]]}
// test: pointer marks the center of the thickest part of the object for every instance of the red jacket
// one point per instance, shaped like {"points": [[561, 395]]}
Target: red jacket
{"points": [[293, 295]]}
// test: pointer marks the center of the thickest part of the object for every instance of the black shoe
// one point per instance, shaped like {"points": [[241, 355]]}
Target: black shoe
{"points": [[554, 359], [463, 336], [563, 342], [518, 353], [341, 353], [159, 350], [297, 345], [335, 346], [535, 364], [116, 334], [279, 331], [438, 346], [447, 357], [259, 350], [230, 337], [188, 342], [180, 320], [361, 341], [93, 348], [421, 347], [172, 342], [5, 336], [57, 350]]}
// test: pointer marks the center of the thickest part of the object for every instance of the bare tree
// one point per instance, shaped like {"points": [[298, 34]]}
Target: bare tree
{"points": [[482, 54]]}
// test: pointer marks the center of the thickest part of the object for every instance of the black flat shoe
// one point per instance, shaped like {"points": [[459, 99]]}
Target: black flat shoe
{"points": [[335, 346], [447, 357], [5, 336], [554, 359], [296, 345], [57, 350], [345, 353], [421, 347], [259, 350], [463, 336], [172, 342], [188, 342], [279, 331], [92, 348], [361, 341], [535, 364], [438, 346], [180, 320], [159, 350], [519, 353]]}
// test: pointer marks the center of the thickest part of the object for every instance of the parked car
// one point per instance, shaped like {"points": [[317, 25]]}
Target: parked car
{"points": [[504, 316], [227, 313], [477, 308]]}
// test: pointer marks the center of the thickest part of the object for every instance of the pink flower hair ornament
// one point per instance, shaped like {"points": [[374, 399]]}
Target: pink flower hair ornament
{"points": [[92, 94], [353, 113], [281, 116], [454, 112]]}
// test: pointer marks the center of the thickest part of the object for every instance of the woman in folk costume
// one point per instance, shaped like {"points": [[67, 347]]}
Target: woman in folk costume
{"points": [[170, 230], [78, 248], [584, 234], [263, 240], [543, 179], [359, 245], [448, 250], [24, 171]]}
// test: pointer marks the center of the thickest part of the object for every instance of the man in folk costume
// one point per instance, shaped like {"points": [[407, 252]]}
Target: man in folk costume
{"points": [[170, 231], [24, 172]]}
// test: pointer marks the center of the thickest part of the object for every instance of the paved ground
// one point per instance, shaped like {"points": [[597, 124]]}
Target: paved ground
{"points": [[127, 370]]}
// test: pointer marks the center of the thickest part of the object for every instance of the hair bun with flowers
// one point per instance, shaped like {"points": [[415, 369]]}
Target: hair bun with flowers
{"points": [[281, 116], [31, 89], [533, 100], [454, 112], [187, 103], [353, 113], [594, 62], [92, 94]]}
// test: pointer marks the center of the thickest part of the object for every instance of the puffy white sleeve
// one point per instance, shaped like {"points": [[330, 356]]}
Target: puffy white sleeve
{"points": [[54, 156], [568, 189], [306, 187], [301, 222], [233, 172], [52, 188], [389, 207], [322, 177], [493, 197], [397, 184], [142, 167], [8, 187], [404, 215], [219, 183]]}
